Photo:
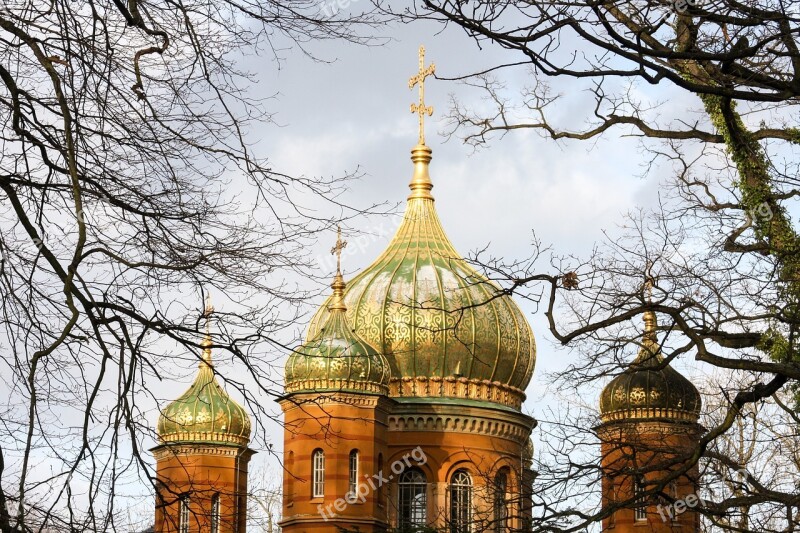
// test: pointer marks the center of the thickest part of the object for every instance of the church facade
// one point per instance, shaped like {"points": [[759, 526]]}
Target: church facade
{"points": [[403, 409]]}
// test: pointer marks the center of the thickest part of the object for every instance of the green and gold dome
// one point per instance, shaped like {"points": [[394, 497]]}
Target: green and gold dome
{"points": [[205, 413], [446, 330], [336, 358], [650, 388]]}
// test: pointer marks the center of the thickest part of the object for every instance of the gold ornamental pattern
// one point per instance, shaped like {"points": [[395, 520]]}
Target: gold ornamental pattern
{"points": [[433, 315]]}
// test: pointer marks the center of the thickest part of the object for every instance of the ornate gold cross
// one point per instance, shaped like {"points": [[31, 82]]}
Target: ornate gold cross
{"points": [[337, 249], [419, 78]]}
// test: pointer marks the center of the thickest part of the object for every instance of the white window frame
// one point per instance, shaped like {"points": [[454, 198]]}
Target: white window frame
{"points": [[412, 500], [353, 473], [215, 513], [640, 511], [461, 494], [318, 474], [183, 514]]}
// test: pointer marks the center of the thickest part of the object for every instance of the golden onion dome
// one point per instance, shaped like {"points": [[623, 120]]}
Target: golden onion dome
{"points": [[337, 359], [205, 413], [445, 329], [650, 388]]}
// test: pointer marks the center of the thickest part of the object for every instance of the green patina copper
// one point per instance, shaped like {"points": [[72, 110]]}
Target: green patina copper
{"points": [[433, 315], [204, 413], [336, 358], [650, 389]]}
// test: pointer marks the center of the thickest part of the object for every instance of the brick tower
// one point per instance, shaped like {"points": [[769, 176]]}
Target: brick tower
{"points": [[201, 459], [335, 411], [442, 421], [649, 428]]}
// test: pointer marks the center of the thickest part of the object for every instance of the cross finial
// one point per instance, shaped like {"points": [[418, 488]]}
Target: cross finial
{"points": [[649, 282], [337, 249], [209, 309], [419, 78]]}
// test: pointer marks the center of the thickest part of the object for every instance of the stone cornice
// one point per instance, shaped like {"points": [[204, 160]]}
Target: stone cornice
{"points": [[371, 401], [336, 385], [452, 387], [645, 414], [464, 419], [625, 428], [164, 451]]}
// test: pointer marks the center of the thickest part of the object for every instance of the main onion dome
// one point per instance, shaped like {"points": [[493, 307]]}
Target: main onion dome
{"points": [[650, 388], [446, 330], [205, 413], [336, 358]]}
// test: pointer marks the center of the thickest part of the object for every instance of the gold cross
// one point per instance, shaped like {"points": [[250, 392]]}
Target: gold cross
{"points": [[208, 311], [337, 250], [420, 108]]}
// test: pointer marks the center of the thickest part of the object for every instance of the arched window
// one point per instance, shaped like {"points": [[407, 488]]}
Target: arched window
{"points": [[318, 471], [640, 512], [460, 502], [353, 473], [500, 504], [183, 514], [215, 513], [412, 500]]}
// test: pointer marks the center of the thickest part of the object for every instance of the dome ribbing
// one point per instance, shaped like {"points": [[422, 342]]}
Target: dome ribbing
{"points": [[336, 358], [650, 388], [205, 413], [445, 329]]}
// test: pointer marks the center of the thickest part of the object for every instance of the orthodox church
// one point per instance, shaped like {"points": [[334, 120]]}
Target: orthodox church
{"points": [[403, 409]]}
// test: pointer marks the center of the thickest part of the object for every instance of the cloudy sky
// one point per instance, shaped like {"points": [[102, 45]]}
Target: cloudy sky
{"points": [[351, 112]]}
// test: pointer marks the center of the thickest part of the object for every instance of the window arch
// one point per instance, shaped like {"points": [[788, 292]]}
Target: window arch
{"points": [[215, 513], [501, 513], [183, 514], [460, 502], [412, 500], [640, 511], [318, 474], [352, 487]]}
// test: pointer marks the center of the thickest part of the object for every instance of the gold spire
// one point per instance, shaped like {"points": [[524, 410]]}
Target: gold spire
{"points": [[338, 285], [421, 184], [421, 109], [207, 338], [650, 338]]}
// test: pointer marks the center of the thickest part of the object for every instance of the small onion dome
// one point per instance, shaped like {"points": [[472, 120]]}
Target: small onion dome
{"points": [[650, 389], [204, 413], [336, 358]]}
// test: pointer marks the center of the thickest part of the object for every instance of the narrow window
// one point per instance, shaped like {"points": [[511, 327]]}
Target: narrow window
{"points": [[353, 485], [183, 515], [215, 513], [460, 502], [412, 500], [500, 504], [640, 512], [318, 478]]}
